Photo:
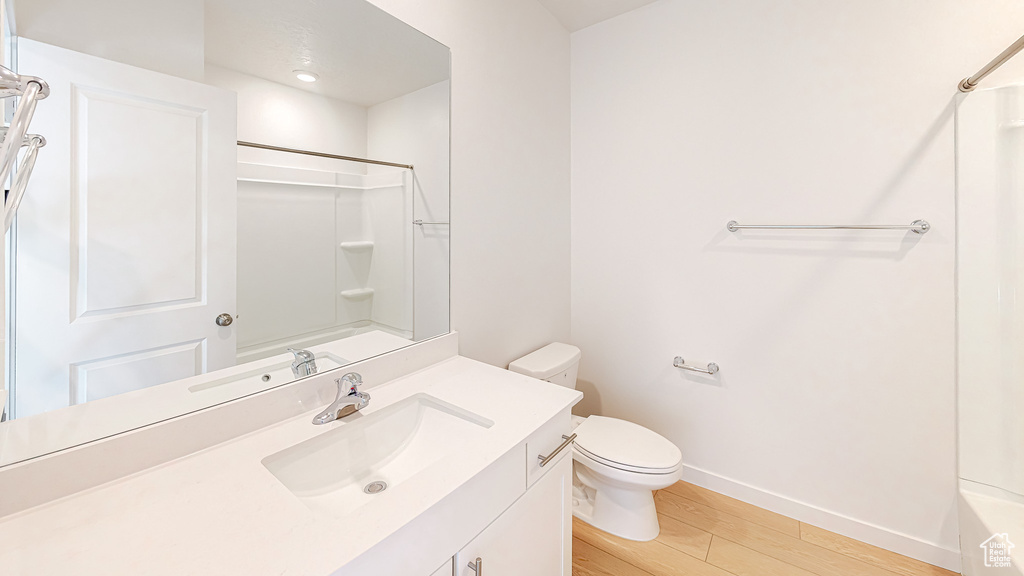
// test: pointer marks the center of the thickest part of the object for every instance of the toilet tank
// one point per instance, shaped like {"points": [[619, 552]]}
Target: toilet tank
{"points": [[556, 363]]}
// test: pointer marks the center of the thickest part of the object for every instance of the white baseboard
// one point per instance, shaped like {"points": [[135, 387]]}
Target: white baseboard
{"points": [[929, 552]]}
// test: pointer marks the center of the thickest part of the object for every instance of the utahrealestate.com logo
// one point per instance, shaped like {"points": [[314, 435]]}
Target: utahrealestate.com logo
{"points": [[997, 551]]}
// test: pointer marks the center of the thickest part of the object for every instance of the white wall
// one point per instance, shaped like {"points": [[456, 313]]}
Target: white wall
{"points": [[510, 171], [279, 115], [154, 34], [413, 129], [835, 401]]}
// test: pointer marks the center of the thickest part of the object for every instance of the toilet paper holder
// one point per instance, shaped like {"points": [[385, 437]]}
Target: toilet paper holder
{"points": [[678, 362]]}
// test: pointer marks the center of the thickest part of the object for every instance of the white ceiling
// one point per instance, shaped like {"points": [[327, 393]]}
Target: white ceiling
{"points": [[362, 54], [578, 14]]}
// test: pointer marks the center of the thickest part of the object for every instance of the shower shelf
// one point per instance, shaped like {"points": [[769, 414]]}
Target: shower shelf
{"points": [[359, 246], [357, 294], [321, 185]]}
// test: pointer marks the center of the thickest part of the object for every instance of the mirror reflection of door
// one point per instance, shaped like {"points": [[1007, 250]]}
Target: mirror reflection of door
{"points": [[117, 288]]}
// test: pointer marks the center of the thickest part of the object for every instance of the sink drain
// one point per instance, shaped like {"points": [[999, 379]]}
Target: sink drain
{"points": [[375, 487]]}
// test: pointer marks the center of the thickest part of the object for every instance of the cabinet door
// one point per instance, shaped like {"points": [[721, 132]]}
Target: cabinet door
{"points": [[534, 536], [544, 441]]}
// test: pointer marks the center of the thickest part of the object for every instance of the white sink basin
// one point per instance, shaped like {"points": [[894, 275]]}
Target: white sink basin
{"points": [[333, 472], [267, 376]]}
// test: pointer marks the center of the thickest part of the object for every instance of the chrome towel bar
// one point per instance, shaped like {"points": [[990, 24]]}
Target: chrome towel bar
{"points": [[15, 136], [917, 226], [21, 178], [678, 362], [14, 84], [422, 223]]}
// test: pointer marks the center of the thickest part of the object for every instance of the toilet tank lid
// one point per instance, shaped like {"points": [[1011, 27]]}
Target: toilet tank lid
{"points": [[548, 361]]}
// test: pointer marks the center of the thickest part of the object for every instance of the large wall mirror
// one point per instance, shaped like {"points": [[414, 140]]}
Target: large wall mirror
{"points": [[233, 194]]}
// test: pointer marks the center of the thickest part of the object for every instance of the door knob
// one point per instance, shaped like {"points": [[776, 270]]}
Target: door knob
{"points": [[224, 320]]}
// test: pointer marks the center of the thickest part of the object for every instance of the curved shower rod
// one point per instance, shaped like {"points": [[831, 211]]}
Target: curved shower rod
{"points": [[971, 82]]}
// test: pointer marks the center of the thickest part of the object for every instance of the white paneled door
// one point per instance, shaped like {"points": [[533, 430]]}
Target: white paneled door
{"points": [[126, 237]]}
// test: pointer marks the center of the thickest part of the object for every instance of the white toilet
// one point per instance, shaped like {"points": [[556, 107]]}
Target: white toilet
{"points": [[616, 464]]}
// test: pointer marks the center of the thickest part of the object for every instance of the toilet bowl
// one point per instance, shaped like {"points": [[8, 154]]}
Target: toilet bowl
{"points": [[616, 464]]}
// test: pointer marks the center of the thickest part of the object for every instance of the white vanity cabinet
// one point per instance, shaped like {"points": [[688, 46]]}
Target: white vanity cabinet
{"points": [[484, 496], [534, 536], [445, 570]]}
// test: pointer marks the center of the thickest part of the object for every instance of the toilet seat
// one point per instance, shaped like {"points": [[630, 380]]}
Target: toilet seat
{"points": [[626, 446], [592, 460]]}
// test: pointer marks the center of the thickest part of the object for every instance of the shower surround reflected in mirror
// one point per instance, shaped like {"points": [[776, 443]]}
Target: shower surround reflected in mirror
{"points": [[160, 264]]}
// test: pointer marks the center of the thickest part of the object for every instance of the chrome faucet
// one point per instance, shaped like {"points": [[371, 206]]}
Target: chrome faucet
{"points": [[349, 400], [304, 364]]}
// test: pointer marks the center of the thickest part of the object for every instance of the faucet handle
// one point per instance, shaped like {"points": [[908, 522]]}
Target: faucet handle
{"points": [[348, 384], [301, 355]]}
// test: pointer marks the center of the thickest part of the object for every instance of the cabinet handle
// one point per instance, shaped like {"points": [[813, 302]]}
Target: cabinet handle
{"points": [[545, 459], [477, 566]]}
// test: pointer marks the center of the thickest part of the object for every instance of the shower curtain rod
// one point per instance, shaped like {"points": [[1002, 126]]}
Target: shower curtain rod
{"points": [[970, 83], [322, 154]]}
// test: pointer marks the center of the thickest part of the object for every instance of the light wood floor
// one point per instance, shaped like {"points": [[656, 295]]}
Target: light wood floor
{"points": [[706, 534]]}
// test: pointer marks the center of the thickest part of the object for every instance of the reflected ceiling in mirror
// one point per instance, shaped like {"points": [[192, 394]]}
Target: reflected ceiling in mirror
{"points": [[271, 40], [161, 265]]}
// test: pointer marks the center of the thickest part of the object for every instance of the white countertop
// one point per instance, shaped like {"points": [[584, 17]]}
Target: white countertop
{"points": [[25, 438], [220, 511]]}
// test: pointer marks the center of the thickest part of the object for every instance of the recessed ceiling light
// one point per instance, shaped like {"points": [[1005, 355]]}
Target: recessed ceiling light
{"points": [[306, 76]]}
